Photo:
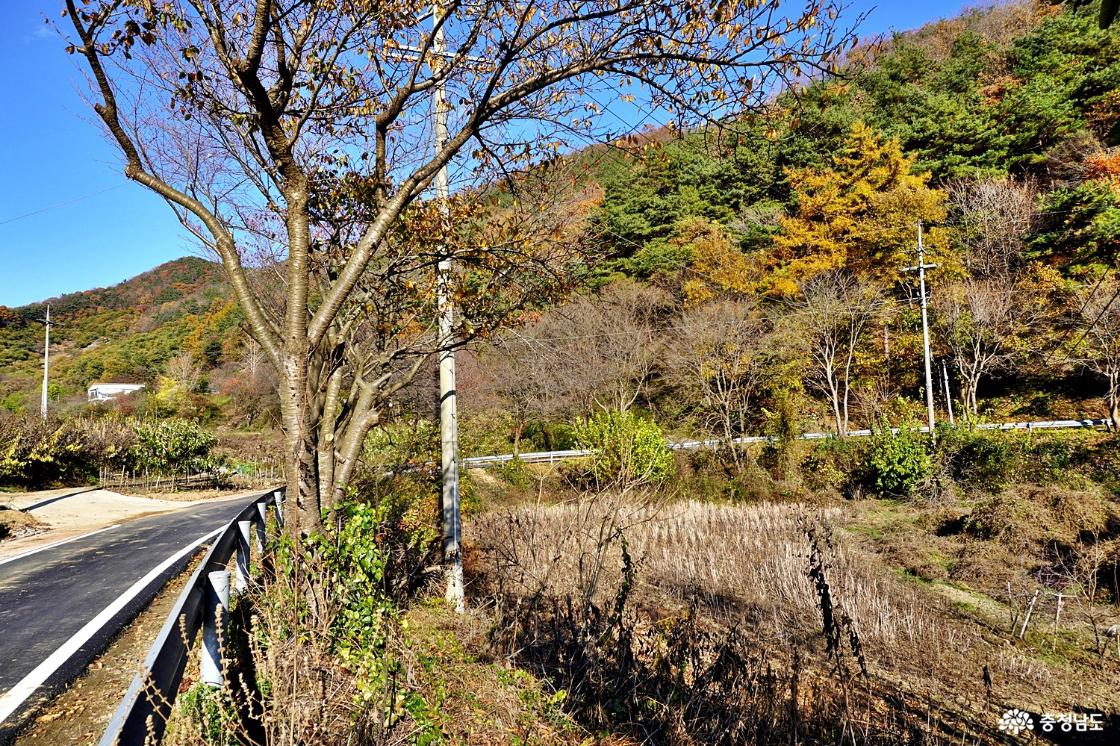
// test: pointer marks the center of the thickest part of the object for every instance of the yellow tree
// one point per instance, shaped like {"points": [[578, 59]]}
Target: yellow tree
{"points": [[859, 214], [716, 268]]}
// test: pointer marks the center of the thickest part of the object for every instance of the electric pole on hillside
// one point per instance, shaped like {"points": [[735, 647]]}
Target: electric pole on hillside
{"points": [[448, 406], [921, 270], [46, 322]]}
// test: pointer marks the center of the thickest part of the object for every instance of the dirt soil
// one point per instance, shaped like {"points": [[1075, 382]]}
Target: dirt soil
{"points": [[15, 524], [79, 715]]}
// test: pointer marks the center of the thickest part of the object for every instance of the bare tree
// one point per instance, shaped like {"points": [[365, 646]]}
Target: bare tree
{"points": [[995, 217], [612, 344], [835, 312], [985, 324], [987, 317], [718, 360], [184, 371], [295, 134], [1098, 346], [520, 369], [251, 356]]}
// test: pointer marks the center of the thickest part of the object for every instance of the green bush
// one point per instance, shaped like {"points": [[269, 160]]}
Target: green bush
{"points": [[1059, 457], [548, 436], [173, 446], [972, 459], [515, 473], [375, 559], [784, 427], [396, 445], [895, 463], [485, 434], [628, 449], [831, 463]]}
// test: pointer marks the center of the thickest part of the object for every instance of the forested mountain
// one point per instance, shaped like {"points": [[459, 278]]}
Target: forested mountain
{"points": [[127, 332], [997, 131], [1027, 90]]}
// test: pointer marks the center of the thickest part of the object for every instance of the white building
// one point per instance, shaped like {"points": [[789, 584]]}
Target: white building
{"points": [[106, 391]]}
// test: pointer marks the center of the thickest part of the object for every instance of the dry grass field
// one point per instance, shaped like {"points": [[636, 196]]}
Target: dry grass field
{"points": [[817, 596]]}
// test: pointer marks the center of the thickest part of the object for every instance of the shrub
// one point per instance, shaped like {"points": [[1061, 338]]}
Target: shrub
{"points": [[972, 459], [398, 445], [515, 473], [628, 449], [374, 560], [358, 570], [831, 463], [896, 462], [1029, 516], [38, 453], [1056, 457], [784, 428], [549, 436], [485, 434], [173, 446]]}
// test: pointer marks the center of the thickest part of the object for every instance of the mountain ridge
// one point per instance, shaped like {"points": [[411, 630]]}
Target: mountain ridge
{"points": [[126, 331]]}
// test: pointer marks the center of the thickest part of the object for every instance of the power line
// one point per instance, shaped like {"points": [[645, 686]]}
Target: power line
{"points": [[58, 205]]}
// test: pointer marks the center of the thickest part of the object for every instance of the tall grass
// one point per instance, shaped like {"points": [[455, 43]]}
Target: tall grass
{"points": [[699, 623]]}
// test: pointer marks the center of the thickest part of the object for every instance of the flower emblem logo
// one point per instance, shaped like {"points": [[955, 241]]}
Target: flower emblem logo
{"points": [[1015, 721]]}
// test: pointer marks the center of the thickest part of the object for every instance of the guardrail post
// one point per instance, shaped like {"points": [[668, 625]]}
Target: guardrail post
{"points": [[213, 628], [262, 525], [278, 496], [241, 575]]}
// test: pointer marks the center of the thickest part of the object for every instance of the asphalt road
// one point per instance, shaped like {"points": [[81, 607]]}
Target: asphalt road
{"points": [[48, 598]]}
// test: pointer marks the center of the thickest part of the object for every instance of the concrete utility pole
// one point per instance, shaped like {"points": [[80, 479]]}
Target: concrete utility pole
{"points": [[448, 405], [46, 362], [921, 270], [948, 395]]}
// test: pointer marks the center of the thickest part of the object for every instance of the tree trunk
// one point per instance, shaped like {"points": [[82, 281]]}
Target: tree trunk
{"points": [[302, 506], [326, 451], [517, 430], [729, 434], [970, 382], [299, 428], [834, 394], [350, 441], [1113, 398]]}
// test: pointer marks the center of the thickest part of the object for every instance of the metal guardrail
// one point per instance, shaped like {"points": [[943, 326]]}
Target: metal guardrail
{"points": [[536, 457], [548, 457], [146, 706]]}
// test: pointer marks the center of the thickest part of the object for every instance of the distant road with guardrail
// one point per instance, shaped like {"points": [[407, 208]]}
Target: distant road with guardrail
{"points": [[61, 604], [548, 457]]}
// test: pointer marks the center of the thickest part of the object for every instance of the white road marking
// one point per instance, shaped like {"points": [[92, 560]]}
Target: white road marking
{"points": [[11, 700], [30, 552]]}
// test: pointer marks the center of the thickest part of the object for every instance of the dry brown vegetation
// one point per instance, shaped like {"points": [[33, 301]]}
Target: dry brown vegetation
{"points": [[443, 686], [745, 581]]}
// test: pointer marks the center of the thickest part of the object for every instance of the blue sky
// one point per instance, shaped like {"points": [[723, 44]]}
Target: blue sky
{"points": [[69, 220]]}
